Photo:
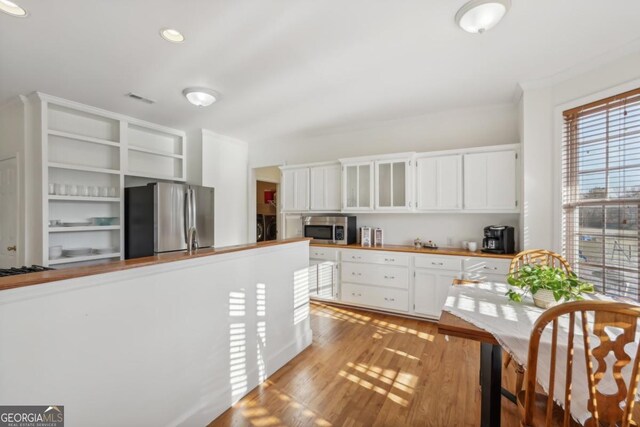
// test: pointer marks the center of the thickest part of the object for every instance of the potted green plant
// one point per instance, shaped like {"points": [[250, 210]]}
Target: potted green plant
{"points": [[548, 285]]}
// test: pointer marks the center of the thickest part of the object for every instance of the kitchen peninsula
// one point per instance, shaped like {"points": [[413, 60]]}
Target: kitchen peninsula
{"points": [[164, 340]]}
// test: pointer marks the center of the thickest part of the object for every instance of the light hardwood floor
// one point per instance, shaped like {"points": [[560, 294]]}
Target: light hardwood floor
{"points": [[367, 369]]}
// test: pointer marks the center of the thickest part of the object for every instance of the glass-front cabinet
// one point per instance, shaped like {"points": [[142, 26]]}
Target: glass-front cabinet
{"points": [[357, 181], [393, 184]]}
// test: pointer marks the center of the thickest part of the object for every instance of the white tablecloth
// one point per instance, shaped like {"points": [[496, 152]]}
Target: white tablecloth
{"points": [[486, 306]]}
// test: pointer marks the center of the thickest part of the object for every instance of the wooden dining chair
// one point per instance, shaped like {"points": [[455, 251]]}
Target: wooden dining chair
{"points": [[606, 409], [458, 282], [540, 257]]}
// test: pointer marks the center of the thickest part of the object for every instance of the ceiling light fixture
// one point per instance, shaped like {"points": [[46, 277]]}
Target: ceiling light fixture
{"points": [[201, 96], [170, 34], [478, 16], [10, 8]]}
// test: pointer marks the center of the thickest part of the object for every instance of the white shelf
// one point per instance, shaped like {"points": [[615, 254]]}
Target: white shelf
{"points": [[83, 228], [68, 260], [155, 152], [83, 138], [83, 168], [155, 176], [84, 199]]}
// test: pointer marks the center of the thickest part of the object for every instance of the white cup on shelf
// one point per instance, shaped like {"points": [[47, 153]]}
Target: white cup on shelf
{"points": [[93, 191], [61, 189], [83, 190], [104, 191], [52, 188], [73, 190], [473, 246]]}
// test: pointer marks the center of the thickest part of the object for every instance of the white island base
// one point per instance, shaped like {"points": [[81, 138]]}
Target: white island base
{"points": [[162, 345]]}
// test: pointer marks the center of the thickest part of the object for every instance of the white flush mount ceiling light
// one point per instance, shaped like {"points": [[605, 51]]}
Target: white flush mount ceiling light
{"points": [[10, 8], [170, 34], [200, 96], [478, 16]]}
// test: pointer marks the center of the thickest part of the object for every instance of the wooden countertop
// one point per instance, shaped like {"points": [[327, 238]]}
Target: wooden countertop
{"points": [[413, 250], [29, 279]]}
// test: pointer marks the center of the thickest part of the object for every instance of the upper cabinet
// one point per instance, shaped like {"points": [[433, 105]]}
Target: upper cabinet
{"points": [[490, 180], [325, 188], [393, 184], [357, 186], [439, 183], [295, 190]]}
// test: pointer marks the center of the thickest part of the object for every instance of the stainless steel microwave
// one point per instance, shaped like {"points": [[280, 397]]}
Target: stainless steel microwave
{"points": [[338, 230]]}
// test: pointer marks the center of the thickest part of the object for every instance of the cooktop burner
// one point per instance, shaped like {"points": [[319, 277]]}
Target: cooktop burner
{"points": [[22, 270]]}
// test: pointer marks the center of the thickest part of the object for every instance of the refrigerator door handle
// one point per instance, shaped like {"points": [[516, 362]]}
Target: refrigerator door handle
{"points": [[187, 215], [193, 218]]}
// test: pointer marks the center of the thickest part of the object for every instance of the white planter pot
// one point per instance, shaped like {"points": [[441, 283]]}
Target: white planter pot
{"points": [[544, 299]]}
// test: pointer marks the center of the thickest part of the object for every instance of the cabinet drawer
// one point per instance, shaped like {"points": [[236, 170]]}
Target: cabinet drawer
{"points": [[327, 254], [376, 257], [452, 263], [477, 265], [391, 299], [381, 275]]}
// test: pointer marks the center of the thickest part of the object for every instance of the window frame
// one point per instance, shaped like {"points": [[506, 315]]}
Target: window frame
{"points": [[569, 178]]}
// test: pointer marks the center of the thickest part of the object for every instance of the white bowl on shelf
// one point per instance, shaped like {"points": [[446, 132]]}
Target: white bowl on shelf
{"points": [[103, 251], [55, 252]]}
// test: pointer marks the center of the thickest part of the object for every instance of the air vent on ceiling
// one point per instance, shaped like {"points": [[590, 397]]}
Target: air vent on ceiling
{"points": [[140, 98]]}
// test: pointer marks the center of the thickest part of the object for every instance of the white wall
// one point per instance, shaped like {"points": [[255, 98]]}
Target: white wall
{"points": [[446, 230], [164, 345], [222, 162], [471, 127], [541, 126]]}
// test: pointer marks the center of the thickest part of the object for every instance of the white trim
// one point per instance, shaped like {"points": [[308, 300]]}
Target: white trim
{"points": [[558, 121], [307, 165]]}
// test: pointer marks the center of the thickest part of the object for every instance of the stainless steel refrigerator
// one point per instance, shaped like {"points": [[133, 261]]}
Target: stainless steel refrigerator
{"points": [[166, 217]]}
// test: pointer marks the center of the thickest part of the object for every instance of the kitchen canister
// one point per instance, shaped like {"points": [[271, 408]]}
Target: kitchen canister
{"points": [[378, 237], [365, 236]]}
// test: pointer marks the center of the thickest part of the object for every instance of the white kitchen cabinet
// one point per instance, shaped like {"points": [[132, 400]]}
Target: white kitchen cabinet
{"points": [[292, 226], [376, 297], [357, 186], [323, 277], [439, 183], [490, 181], [431, 288], [295, 190], [393, 187], [325, 188]]}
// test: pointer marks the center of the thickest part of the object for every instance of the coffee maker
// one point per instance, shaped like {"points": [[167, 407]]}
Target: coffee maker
{"points": [[498, 239]]}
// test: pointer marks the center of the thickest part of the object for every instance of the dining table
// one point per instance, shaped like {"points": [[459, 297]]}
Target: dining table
{"points": [[482, 312]]}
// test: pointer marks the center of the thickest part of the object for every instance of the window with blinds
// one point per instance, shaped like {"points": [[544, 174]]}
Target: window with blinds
{"points": [[601, 193]]}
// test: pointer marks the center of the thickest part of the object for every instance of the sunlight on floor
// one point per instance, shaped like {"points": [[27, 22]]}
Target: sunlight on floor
{"points": [[383, 327], [259, 416], [396, 385]]}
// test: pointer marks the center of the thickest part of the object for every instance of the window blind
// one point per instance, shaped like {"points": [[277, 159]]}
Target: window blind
{"points": [[601, 193]]}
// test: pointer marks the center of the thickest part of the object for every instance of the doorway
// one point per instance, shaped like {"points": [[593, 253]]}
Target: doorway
{"points": [[267, 185], [8, 212]]}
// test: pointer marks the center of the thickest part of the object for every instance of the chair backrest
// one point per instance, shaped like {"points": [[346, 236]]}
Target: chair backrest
{"points": [[458, 282], [540, 257], [605, 409]]}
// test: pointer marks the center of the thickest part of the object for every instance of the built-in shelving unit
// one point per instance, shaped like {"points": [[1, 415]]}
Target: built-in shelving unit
{"points": [[87, 152]]}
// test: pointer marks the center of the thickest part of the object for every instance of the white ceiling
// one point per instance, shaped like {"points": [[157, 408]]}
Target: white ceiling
{"points": [[289, 68]]}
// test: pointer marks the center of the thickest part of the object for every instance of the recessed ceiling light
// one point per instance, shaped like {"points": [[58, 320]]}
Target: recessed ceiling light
{"points": [[478, 16], [170, 34], [201, 96], [10, 8]]}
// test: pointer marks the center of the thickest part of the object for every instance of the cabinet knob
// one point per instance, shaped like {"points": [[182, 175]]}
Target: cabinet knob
{"points": [[437, 263], [12, 248], [389, 259], [389, 277]]}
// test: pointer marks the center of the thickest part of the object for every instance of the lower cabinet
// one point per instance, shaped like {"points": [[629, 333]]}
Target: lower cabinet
{"points": [[430, 290], [374, 296], [415, 284]]}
